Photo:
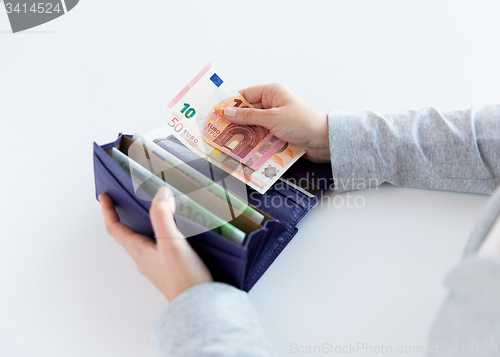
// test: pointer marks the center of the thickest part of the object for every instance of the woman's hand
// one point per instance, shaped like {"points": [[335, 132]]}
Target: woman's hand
{"points": [[170, 264], [287, 116]]}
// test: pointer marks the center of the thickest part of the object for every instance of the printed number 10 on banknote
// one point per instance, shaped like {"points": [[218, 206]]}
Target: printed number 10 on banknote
{"points": [[202, 102]]}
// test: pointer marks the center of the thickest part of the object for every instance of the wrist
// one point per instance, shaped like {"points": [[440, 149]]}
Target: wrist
{"points": [[325, 140], [318, 149]]}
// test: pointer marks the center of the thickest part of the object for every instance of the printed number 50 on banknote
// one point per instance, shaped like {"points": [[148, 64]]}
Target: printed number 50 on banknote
{"points": [[202, 102]]}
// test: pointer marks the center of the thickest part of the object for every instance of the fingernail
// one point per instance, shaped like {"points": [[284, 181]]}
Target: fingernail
{"points": [[163, 194], [230, 112]]}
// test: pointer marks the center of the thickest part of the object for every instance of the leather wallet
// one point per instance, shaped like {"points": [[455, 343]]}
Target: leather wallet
{"points": [[239, 265]]}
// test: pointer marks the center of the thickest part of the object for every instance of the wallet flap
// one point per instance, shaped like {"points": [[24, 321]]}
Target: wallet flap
{"points": [[130, 211]]}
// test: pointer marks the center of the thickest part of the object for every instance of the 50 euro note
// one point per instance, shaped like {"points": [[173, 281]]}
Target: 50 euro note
{"points": [[201, 104], [260, 180]]}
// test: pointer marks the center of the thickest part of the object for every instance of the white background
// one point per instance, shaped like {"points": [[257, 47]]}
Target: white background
{"points": [[369, 275]]}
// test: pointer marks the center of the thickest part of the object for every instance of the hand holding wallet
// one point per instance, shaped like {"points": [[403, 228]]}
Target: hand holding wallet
{"points": [[240, 265]]}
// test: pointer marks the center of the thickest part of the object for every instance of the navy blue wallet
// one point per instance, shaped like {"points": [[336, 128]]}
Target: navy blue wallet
{"points": [[238, 265]]}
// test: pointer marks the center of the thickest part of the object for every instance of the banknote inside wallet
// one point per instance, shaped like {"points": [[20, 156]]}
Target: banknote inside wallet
{"points": [[215, 204]]}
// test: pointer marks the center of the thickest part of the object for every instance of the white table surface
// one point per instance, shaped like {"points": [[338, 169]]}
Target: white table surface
{"points": [[351, 275]]}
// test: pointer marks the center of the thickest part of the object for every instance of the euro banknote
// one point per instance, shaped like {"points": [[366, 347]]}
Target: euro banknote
{"points": [[260, 180], [202, 102]]}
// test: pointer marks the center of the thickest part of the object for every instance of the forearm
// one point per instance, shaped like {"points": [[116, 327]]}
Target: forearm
{"points": [[211, 319], [457, 151]]}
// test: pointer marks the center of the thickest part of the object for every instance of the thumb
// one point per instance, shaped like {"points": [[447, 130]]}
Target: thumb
{"points": [[249, 116], [162, 217]]}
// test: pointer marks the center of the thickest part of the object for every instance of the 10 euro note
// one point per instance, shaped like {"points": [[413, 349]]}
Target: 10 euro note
{"points": [[260, 180], [201, 104]]}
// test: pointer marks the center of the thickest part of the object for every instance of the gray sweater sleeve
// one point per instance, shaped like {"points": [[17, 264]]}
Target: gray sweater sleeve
{"points": [[210, 319], [456, 150]]}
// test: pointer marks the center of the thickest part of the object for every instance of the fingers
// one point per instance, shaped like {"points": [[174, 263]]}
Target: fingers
{"points": [[133, 243], [115, 228], [250, 116], [254, 94], [162, 218], [265, 95], [258, 105]]}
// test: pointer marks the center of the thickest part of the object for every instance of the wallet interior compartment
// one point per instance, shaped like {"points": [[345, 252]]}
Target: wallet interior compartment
{"points": [[217, 205], [212, 172]]}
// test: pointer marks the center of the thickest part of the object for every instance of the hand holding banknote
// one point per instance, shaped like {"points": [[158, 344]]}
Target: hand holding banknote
{"points": [[250, 153], [170, 264], [287, 116]]}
